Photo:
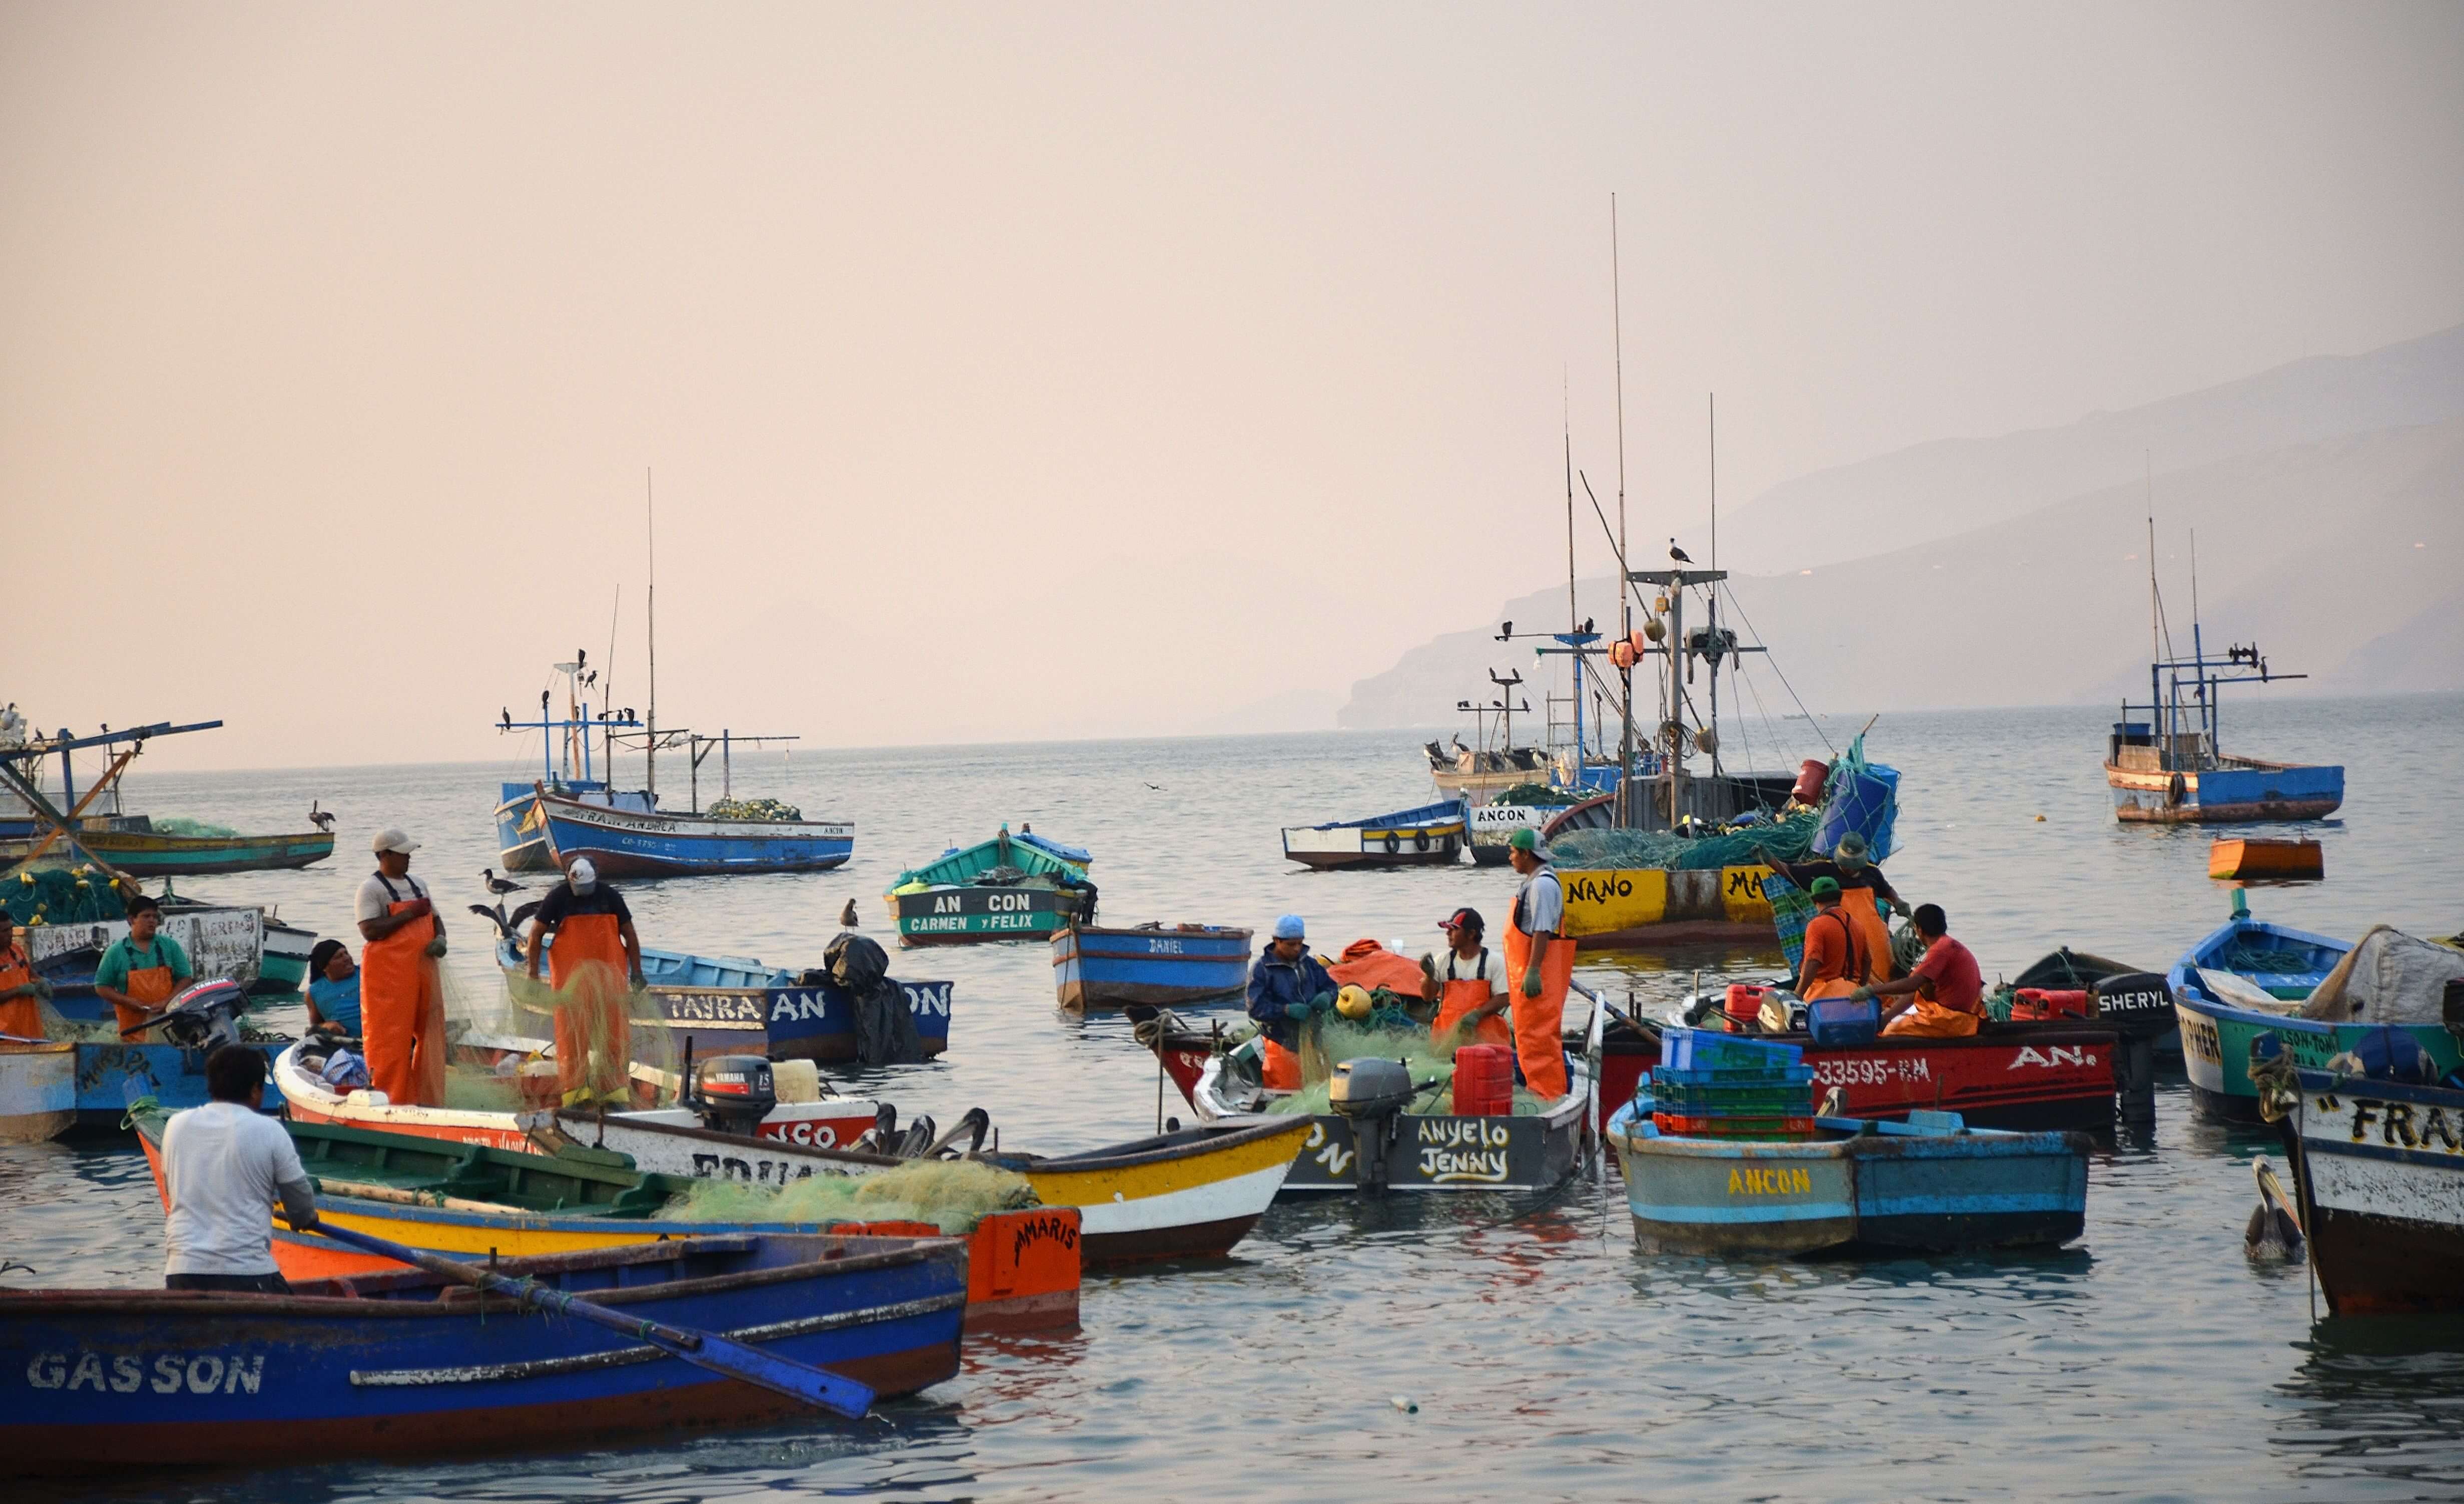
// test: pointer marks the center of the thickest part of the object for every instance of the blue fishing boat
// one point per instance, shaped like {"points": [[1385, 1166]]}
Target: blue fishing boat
{"points": [[728, 1004], [1929, 1185], [1430, 835], [573, 810], [112, 1075], [407, 1364], [1154, 964], [2249, 979]]}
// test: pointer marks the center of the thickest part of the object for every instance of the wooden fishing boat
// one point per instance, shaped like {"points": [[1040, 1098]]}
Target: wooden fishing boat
{"points": [[733, 1004], [1006, 888], [221, 941], [2250, 980], [1928, 1184], [2259, 860], [1152, 965], [407, 1363], [2065, 969], [2170, 768], [110, 1075], [1491, 827], [1431, 835], [663, 843], [1630, 907], [30, 827], [829, 1121], [470, 1202], [131, 844], [38, 1090], [2378, 1167]]}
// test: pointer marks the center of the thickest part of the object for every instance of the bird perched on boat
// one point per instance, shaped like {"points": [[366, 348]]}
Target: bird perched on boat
{"points": [[1678, 554], [505, 717], [499, 886], [2273, 1232], [320, 818], [847, 916]]}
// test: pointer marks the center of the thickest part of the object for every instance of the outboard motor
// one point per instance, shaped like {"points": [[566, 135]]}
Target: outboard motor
{"points": [[731, 1092], [2137, 1007], [1368, 1093], [203, 1015]]}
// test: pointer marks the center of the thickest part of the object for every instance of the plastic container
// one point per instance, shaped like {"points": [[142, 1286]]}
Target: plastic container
{"points": [[2038, 1004], [1864, 800], [1689, 1126], [1734, 1101], [1699, 1048], [1483, 1081], [1842, 1023], [1811, 775], [1743, 1006], [1734, 1075]]}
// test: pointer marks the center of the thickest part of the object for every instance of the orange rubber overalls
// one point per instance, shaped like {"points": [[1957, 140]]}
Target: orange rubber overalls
{"points": [[402, 1012], [1834, 966], [594, 1039], [1864, 915], [1462, 994], [151, 985], [22, 1017], [1539, 1022]]}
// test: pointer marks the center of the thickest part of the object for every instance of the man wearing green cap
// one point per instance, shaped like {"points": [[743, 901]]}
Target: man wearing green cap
{"points": [[1834, 959], [1540, 964]]}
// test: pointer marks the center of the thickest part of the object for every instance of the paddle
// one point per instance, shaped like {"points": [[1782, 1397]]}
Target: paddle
{"points": [[815, 1386]]}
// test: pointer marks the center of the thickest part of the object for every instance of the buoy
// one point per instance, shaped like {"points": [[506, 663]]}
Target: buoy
{"points": [[1621, 653], [1638, 641], [2040, 819], [1352, 1002], [1653, 629], [1705, 740], [1403, 1402]]}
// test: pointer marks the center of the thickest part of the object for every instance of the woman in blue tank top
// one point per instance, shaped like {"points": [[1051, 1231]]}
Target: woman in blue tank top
{"points": [[333, 987]]}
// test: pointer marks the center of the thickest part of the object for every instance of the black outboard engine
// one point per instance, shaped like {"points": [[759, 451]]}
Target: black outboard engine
{"points": [[1369, 1093], [203, 1015], [731, 1092], [2137, 1007]]}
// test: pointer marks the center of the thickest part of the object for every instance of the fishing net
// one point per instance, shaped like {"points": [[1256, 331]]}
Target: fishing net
{"points": [[1431, 1065], [1532, 794], [176, 825], [953, 1195], [751, 809], [1790, 911], [1860, 798], [60, 895], [607, 1041], [2268, 961], [1789, 839]]}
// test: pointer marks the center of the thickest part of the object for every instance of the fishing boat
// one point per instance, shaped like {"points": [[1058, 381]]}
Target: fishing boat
{"points": [[1431, 835], [825, 1121], [2256, 860], [470, 1202], [221, 941], [2378, 1167], [2249, 980], [402, 1364], [722, 1005], [1930, 1184], [572, 810], [1154, 965], [1004, 889], [38, 1088], [90, 824], [1492, 826], [2171, 768]]}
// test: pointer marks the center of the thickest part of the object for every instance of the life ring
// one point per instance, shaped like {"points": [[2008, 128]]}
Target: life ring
{"points": [[1394, 843], [2176, 791]]}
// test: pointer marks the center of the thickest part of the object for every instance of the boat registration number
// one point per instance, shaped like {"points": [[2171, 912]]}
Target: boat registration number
{"points": [[1871, 1070]]}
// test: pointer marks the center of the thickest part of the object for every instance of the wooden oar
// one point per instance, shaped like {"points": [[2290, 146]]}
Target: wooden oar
{"points": [[815, 1386]]}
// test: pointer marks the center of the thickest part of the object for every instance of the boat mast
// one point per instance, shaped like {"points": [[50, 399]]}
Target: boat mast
{"points": [[1573, 617], [1625, 587], [1711, 596], [651, 542]]}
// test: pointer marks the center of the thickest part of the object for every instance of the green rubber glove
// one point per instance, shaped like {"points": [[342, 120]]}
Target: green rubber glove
{"points": [[1297, 1012], [1862, 995], [436, 947], [1532, 980], [1323, 1003]]}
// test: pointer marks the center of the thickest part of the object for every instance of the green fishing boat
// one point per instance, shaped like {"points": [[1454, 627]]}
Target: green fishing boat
{"points": [[1009, 887], [88, 825]]}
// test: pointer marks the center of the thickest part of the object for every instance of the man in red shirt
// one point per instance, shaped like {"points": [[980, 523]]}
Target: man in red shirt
{"points": [[1945, 992]]}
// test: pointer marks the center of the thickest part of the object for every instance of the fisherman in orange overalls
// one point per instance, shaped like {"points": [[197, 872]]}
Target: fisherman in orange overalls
{"points": [[22, 993], [402, 999], [594, 964], [140, 971], [1470, 989], [1835, 953], [1544, 959]]}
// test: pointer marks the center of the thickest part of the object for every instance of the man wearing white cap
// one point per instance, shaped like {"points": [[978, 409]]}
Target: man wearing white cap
{"points": [[401, 1002], [596, 959]]}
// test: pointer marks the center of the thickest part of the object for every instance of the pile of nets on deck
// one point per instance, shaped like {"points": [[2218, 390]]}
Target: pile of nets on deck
{"points": [[1789, 839], [59, 896], [1338, 1041], [1537, 794], [751, 809], [175, 824], [953, 1195]]}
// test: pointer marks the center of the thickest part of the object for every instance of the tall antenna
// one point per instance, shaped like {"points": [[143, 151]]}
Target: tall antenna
{"points": [[1625, 587], [1566, 410], [1714, 399], [650, 541]]}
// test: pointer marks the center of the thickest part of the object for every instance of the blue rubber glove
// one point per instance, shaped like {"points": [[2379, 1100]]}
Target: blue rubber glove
{"points": [[1297, 1012]]}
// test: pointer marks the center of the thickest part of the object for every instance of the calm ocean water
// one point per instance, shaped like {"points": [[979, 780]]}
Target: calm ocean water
{"points": [[1548, 1358]]}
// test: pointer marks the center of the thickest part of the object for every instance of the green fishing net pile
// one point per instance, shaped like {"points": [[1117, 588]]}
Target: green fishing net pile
{"points": [[59, 896], [751, 809], [1788, 838], [2262, 960], [176, 825], [1539, 795], [953, 1195], [1421, 1057]]}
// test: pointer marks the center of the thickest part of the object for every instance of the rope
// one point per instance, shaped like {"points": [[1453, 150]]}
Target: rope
{"points": [[1783, 676]]}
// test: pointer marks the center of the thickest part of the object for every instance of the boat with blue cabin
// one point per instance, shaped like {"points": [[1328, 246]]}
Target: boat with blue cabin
{"points": [[573, 810], [1428, 835], [1928, 1184], [1155, 965]]}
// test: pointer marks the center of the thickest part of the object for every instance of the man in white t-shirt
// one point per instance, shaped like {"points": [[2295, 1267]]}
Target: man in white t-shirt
{"points": [[225, 1164]]}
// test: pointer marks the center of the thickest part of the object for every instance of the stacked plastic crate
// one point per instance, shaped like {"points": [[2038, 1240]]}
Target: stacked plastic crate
{"points": [[1711, 1085]]}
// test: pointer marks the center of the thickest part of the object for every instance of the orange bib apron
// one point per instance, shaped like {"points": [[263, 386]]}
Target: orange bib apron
{"points": [[594, 1038], [1539, 1022], [402, 1013], [1813, 988], [18, 1016], [1277, 1067], [1873, 932], [1460, 997], [151, 985], [1930, 1020]]}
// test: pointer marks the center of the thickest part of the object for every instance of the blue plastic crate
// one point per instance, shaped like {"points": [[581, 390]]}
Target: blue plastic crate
{"points": [[1735, 1075], [1702, 1049]]}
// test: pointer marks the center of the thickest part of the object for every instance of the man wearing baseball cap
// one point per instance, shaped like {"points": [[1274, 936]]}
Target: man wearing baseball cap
{"points": [[402, 1000], [1539, 954], [1287, 985], [1835, 961], [595, 955], [1470, 989]]}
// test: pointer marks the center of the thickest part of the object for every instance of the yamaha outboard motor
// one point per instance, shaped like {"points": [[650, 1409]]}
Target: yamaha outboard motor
{"points": [[731, 1092], [203, 1015], [1369, 1093], [2137, 1007]]}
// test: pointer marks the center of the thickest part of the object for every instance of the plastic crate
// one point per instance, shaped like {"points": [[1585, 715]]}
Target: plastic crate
{"points": [[1702, 1049], [1746, 1101], [1733, 1075], [1684, 1126]]}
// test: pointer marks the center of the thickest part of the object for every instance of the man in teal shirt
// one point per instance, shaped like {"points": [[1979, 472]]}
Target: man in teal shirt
{"points": [[141, 972]]}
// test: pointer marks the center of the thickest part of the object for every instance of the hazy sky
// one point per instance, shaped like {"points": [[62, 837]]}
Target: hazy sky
{"points": [[1060, 370]]}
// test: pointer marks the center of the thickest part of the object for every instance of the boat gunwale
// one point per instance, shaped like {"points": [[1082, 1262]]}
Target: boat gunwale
{"points": [[545, 798]]}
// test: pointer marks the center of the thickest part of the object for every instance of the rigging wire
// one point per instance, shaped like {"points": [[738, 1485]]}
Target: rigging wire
{"points": [[1775, 669]]}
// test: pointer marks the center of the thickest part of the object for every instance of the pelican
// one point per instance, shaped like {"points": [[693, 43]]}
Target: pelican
{"points": [[320, 818]]}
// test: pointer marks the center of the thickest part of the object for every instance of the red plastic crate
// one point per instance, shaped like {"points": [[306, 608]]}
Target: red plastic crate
{"points": [[1692, 1127]]}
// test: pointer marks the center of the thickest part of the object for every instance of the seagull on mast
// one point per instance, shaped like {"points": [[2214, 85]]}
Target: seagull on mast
{"points": [[1678, 554]]}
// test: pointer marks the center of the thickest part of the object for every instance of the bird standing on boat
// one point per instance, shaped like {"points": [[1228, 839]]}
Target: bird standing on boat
{"points": [[847, 916], [320, 817], [499, 886], [1678, 554]]}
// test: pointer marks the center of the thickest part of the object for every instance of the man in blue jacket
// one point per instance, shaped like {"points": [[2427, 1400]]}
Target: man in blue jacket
{"points": [[1285, 986]]}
